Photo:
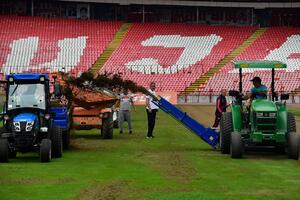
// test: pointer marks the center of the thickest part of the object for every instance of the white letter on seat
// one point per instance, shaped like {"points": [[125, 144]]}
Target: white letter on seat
{"points": [[289, 47], [195, 49], [23, 51]]}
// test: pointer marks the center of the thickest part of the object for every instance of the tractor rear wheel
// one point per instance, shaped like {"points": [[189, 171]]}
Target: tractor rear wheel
{"points": [[12, 154], [225, 132], [236, 147], [3, 150], [293, 145], [57, 143], [45, 150], [107, 127], [291, 122], [2, 130]]}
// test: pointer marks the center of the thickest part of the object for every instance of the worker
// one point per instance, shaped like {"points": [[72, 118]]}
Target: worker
{"points": [[151, 109], [126, 102], [259, 91], [221, 105]]}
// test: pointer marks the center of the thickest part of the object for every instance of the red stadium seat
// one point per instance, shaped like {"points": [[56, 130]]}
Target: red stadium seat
{"points": [[280, 43], [44, 45], [149, 52]]}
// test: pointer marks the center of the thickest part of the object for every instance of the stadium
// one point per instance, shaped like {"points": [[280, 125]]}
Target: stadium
{"points": [[191, 50]]}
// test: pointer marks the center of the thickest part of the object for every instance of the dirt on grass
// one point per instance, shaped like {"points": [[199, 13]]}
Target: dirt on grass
{"points": [[205, 114], [172, 165], [37, 181], [111, 191]]}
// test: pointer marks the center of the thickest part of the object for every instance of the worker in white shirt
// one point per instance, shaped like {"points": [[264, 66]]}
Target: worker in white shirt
{"points": [[151, 109]]}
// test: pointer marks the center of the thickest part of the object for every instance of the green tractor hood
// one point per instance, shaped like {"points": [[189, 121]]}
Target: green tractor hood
{"points": [[263, 105]]}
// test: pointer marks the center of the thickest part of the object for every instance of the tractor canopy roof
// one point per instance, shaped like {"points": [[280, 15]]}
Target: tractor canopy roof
{"points": [[27, 77], [260, 64]]}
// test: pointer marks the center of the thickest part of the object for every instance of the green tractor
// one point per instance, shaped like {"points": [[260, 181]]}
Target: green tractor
{"points": [[262, 123]]}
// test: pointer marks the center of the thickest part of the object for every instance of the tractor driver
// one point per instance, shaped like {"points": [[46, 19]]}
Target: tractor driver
{"points": [[259, 91]]}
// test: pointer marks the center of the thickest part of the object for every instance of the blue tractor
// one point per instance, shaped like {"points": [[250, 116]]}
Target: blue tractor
{"points": [[29, 122]]}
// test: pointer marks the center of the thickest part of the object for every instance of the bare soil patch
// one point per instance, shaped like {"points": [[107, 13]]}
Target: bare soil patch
{"points": [[173, 165], [112, 191]]}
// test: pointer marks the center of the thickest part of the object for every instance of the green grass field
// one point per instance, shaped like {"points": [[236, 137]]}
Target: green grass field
{"points": [[295, 111], [174, 165]]}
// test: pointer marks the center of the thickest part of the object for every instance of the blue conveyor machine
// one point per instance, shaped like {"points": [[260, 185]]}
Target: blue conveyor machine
{"points": [[208, 135]]}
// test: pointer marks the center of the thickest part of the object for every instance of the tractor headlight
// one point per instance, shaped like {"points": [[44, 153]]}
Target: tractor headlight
{"points": [[6, 117], [47, 116], [17, 126], [259, 114], [272, 114], [44, 129], [29, 125]]}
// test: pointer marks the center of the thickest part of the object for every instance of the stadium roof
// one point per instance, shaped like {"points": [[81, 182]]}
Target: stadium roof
{"points": [[217, 3]]}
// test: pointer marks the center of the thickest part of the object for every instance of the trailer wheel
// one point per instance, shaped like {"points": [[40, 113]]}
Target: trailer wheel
{"points": [[66, 139], [236, 147], [3, 150], [57, 144], [45, 150], [293, 146], [107, 127], [225, 132]]}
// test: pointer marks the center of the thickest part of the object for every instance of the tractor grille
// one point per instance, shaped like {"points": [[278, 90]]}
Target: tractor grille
{"points": [[23, 139], [23, 126], [265, 128], [266, 120]]}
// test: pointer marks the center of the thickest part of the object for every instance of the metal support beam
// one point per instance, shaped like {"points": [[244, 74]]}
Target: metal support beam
{"points": [[273, 84], [241, 81]]}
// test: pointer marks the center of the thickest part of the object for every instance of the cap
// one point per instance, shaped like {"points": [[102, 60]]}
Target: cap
{"points": [[256, 78]]}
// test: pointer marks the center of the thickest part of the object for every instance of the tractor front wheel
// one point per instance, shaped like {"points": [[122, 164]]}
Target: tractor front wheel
{"points": [[57, 143], [293, 145], [236, 147], [225, 131], [45, 150], [3, 150]]}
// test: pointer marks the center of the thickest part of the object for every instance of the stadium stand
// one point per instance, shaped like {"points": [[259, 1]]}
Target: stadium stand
{"points": [[45, 45], [173, 55], [277, 43]]}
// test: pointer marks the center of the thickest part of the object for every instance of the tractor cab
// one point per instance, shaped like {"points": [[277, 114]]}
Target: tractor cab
{"points": [[262, 122], [28, 123], [27, 92]]}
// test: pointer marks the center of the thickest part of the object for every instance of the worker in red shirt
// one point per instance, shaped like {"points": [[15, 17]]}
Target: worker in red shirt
{"points": [[220, 108]]}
